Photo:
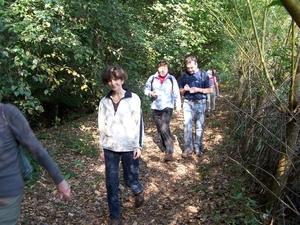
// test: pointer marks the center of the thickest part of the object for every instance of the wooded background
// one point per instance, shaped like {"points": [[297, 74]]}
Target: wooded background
{"points": [[53, 52]]}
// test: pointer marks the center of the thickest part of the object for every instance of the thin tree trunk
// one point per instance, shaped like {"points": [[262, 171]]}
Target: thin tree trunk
{"points": [[288, 149], [284, 167]]}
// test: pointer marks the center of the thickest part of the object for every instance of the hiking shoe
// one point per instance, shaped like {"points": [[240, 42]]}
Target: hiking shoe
{"points": [[168, 157], [139, 200], [116, 221], [198, 153], [186, 153]]}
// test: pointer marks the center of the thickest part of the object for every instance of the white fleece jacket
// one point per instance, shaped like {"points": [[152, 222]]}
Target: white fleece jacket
{"points": [[121, 129]]}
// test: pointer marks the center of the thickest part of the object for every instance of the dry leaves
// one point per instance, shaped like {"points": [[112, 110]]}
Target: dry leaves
{"points": [[184, 191]]}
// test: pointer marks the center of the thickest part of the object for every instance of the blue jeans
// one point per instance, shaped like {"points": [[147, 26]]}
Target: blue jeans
{"points": [[130, 176], [162, 120], [211, 101], [196, 111]]}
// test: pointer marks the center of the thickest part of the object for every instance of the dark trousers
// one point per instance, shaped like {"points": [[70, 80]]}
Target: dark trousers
{"points": [[130, 176], [162, 121]]}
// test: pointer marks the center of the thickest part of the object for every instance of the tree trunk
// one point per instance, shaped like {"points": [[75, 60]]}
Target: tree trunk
{"points": [[293, 8], [284, 167]]}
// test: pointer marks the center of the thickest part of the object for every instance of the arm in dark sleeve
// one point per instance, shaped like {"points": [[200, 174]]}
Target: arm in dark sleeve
{"points": [[21, 130]]}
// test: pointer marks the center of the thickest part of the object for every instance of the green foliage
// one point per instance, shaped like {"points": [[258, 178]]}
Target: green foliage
{"points": [[35, 170], [217, 123], [275, 3], [244, 209], [81, 143], [57, 54], [52, 52], [181, 29]]}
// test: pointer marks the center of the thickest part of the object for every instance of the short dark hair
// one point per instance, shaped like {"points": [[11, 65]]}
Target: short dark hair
{"points": [[163, 63], [191, 59], [115, 72]]}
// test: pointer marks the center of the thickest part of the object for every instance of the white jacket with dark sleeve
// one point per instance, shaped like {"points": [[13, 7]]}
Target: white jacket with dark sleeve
{"points": [[121, 128]]}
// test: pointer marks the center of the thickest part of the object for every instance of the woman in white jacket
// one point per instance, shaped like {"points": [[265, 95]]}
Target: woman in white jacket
{"points": [[121, 134]]}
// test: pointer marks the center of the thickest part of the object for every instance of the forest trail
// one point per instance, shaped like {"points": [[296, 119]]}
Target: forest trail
{"points": [[195, 190]]}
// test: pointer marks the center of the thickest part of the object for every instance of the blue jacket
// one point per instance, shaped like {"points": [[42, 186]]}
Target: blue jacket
{"points": [[200, 79]]}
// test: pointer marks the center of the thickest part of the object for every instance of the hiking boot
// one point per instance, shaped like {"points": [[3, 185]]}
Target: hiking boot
{"points": [[139, 200], [186, 153], [198, 153], [168, 157], [116, 221]]}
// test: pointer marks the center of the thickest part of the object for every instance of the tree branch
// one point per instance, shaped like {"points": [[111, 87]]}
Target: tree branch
{"points": [[293, 8]]}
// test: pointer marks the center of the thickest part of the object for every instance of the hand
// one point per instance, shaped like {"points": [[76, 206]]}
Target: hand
{"points": [[177, 113], [102, 156], [186, 87], [3, 202], [64, 190], [154, 94], [136, 153]]}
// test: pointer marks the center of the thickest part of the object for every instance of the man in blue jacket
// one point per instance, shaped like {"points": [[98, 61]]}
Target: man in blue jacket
{"points": [[194, 85]]}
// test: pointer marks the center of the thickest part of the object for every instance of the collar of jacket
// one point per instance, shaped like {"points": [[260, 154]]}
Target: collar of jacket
{"points": [[128, 94]]}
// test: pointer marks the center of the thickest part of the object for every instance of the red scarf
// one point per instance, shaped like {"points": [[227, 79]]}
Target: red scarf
{"points": [[161, 79]]}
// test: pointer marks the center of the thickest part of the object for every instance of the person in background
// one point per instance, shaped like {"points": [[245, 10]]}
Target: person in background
{"points": [[194, 85], [121, 134], [218, 79], [211, 98], [15, 130], [215, 74], [163, 89]]}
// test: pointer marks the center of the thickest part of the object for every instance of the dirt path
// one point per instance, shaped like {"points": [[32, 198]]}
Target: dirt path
{"points": [[184, 191]]}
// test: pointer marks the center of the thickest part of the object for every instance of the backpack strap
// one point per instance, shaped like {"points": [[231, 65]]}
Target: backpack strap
{"points": [[202, 77], [151, 86], [171, 82]]}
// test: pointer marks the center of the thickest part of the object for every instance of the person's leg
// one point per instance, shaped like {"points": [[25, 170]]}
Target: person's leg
{"points": [[165, 130], [10, 211], [131, 169], [213, 101], [112, 160], [157, 117], [131, 177], [208, 105], [188, 114], [199, 125]]}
